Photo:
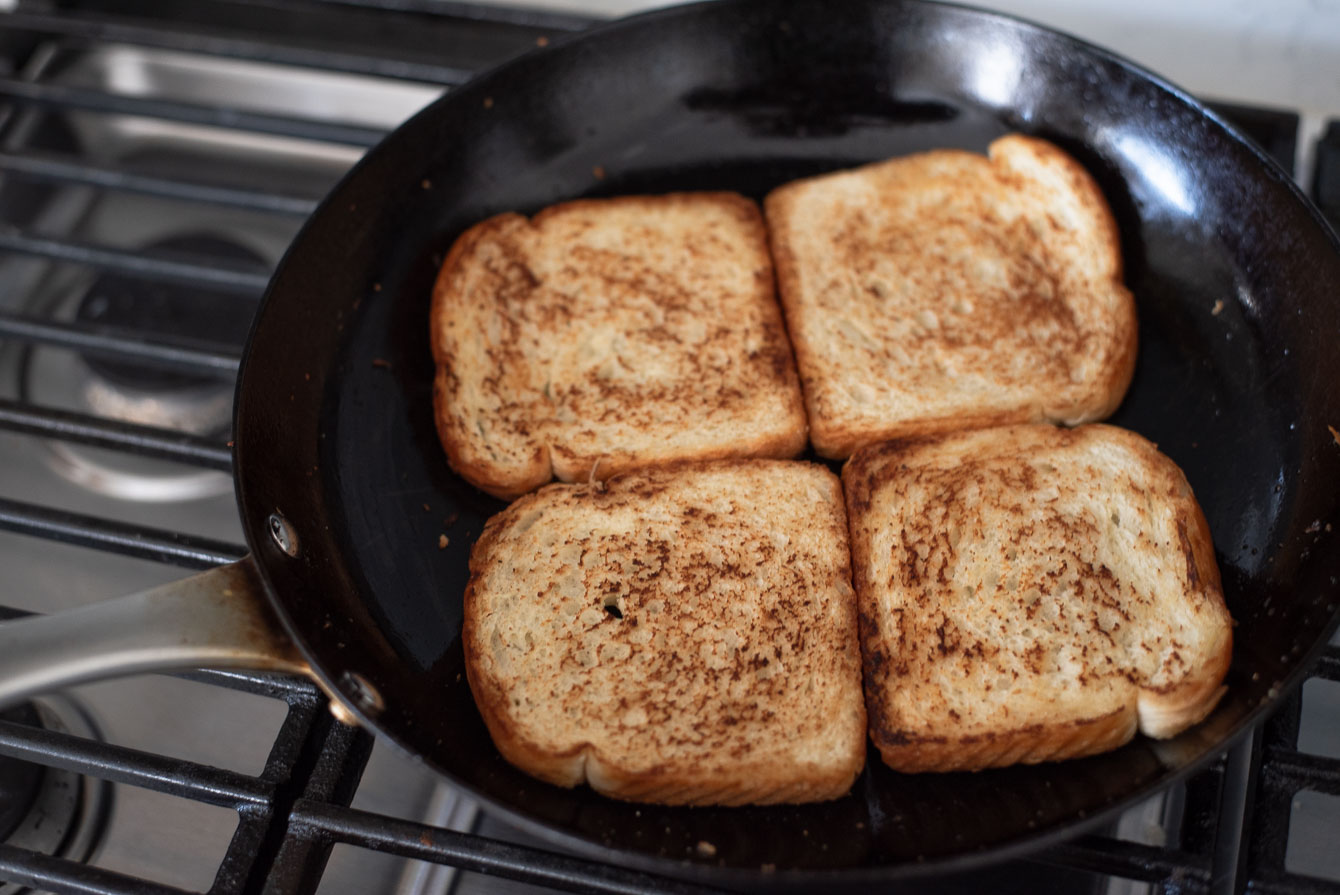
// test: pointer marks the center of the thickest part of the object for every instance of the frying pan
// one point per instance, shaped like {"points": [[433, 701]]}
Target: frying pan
{"points": [[344, 492]]}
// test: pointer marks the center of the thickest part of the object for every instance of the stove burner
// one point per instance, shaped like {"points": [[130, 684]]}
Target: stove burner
{"points": [[168, 309], [136, 392], [49, 810]]}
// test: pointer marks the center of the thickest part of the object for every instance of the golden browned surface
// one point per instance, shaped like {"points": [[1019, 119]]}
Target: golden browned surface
{"points": [[1030, 593], [947, 290], [611, 334], [685, 635]]}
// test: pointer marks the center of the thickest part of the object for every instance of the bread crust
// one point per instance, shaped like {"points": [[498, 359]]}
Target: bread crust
{"points": [[1166, 711], [935, 640], [669, 388], [872, 382], [462, 451], [738, 735]]}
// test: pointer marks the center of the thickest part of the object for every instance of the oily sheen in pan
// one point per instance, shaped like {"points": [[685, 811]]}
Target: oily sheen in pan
{"points": [[604, 335], [681, 635], [951, 290], [1030, 593]]}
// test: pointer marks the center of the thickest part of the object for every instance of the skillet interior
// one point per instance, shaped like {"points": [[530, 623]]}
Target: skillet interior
{"points": [[335, 428]]}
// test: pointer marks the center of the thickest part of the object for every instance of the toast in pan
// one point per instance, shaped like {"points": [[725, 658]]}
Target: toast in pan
{"points": [[603, 335], [682, 635], [950, 290], [1030, 593]]}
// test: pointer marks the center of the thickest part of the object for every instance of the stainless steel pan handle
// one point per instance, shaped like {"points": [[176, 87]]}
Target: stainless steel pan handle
{"points": [[216, 619]]}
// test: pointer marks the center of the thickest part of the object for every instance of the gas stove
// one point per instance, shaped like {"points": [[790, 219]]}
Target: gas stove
{"points": [[153, 167]]}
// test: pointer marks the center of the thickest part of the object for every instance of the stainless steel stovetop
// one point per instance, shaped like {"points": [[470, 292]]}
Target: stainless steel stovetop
{"points": [[156, 713], [180, 842]]}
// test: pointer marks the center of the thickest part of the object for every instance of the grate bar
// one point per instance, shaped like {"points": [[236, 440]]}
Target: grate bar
{"points": [[119, 764], [328, 765], [147, 441], [1299, 770], [243, 848], [528, 17], [476, 853], [158, 545], [1328, 665], [48, 874], [1275, 883], [1128, 860], [274, 685], [106, 341], [246, 280], [251, 851], [48, 94], [1235, 827], [103, 29], [53, 168]]}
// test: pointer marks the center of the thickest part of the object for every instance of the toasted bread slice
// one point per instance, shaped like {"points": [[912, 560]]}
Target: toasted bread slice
{"points": [[683, 635], [604, 335], [947, 291], [1029, 594]]}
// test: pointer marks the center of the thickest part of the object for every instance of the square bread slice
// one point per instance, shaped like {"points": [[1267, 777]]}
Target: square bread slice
{"points": [[1030, 594], [604, 335], [681, 635], [949, 290]]}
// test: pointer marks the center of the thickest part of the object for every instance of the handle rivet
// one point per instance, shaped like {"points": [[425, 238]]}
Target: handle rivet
{"points": [[283, 535], [361, 693]]}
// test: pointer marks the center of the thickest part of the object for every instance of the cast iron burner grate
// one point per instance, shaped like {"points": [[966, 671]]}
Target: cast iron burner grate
{"points": [[1233, 832]]}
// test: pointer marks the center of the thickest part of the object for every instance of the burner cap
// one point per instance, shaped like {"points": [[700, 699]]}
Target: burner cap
{"points": [[20, 781], [170, 309], [48, 810]]}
